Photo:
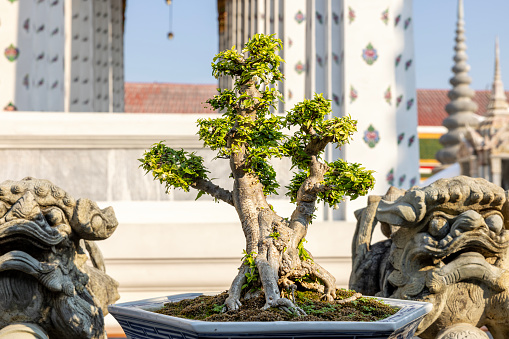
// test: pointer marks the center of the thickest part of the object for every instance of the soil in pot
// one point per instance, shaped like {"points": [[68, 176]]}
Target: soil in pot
{"points": [[209, 308]]}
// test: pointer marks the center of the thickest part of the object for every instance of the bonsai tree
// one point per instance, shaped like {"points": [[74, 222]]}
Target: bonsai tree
{"points": [[248, 135]]}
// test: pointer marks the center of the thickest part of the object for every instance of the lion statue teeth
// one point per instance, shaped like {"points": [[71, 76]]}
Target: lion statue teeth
{"points": [[447, 244], [44, 278]]}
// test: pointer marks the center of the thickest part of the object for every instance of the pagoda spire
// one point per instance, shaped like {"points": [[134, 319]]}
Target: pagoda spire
{"points": [[461, 108], [498, 100], [497, 113]]}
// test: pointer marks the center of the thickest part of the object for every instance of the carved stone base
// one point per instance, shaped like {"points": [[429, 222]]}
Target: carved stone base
{"points": [[462, 331], [23, 331]]}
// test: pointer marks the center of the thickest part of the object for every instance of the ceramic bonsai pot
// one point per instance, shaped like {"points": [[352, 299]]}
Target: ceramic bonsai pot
{"points": [[138, 322]]}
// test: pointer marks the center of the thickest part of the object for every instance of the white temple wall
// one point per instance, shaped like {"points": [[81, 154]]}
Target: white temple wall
{"points": [[32, 42], [37, 37]]}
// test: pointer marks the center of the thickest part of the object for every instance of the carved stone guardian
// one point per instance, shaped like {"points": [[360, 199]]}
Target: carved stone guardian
{"points": [[448, 245], [45, 284]]}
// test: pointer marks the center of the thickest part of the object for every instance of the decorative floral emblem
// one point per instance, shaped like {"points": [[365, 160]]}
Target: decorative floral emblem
{"points": [[300, 67], [290, 94], [411, 140], [398, 100], [353, 94], [40, 56], [413, 181], [351, 15], [290, 42], [335, 17], [385, 16], [319, 60], [55, 59], [54, 85], [407, 22], [390, 177], [11, 53], [335, 57], [371, 136], [40, 83], [388, 95], [54, 3], [408, 64], [409, 104], [319, 17], [26, 25], [401, 136], [336, 99], [55, 31], [369, 54], [26, 81], [398, 60], [40, 29], [397, 19], [10, 107], [401, 180], [300, 17]]}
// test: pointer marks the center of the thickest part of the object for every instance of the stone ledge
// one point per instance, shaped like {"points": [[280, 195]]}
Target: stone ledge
{"points": [[96, 141]]}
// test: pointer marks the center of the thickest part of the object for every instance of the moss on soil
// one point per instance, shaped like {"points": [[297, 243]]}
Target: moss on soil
{"points": [[209, 308]]}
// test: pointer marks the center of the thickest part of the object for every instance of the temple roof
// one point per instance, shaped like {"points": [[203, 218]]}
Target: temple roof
{"points": [[185, 98], [167, 98], [431, 103]]}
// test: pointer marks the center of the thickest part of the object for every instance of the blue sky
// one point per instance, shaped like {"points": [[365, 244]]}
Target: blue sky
{"points": [[151, 57]]}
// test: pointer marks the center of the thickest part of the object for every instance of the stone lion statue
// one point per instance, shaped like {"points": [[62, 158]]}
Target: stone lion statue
{"points": [[45, 283], [447, 244]]}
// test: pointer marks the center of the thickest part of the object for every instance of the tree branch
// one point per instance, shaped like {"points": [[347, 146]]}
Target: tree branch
{"points": [[214, 190], [317, 144]]}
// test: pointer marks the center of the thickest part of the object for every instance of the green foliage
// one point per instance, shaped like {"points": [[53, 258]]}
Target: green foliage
{"points": [[295, 183], [310, 309], [252, 275], [217, 308], [214, 134], [173, 168], [259, 64], [303, 254], [274, 235], [310, 116], [345, 179]]}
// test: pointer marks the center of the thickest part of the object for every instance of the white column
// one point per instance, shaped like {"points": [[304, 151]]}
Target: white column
{"points": [[9, 16], [117, 58], [310, 48], [55, 35], [101, 55], [260, 16], [496, 170], [294, 51]]}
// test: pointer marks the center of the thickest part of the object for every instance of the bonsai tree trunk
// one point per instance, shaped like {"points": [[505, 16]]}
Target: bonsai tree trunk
{"points": [[273, 241]]}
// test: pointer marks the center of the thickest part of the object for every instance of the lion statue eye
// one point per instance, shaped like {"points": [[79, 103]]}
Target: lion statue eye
{"points": [[495, 223], [96, 222], [439, 227]]}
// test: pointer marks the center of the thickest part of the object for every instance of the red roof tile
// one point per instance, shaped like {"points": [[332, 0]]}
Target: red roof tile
{"points": [[431, 105], [167, 98], [185, 98]]}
